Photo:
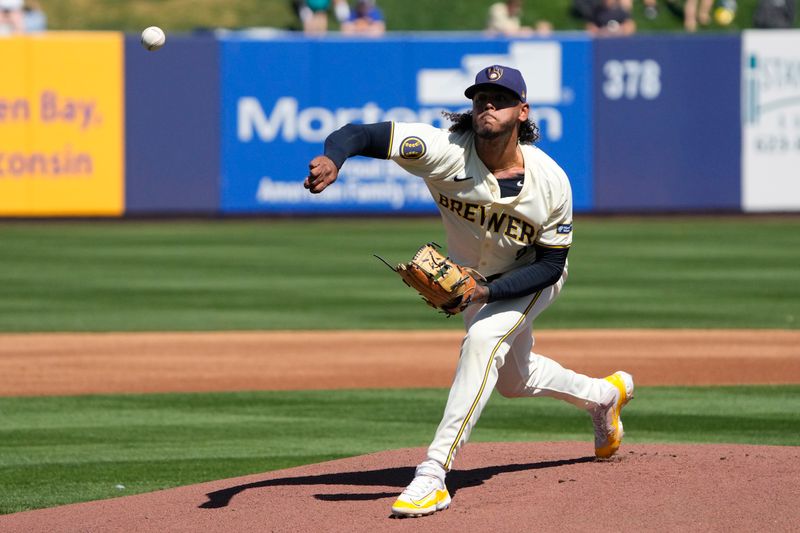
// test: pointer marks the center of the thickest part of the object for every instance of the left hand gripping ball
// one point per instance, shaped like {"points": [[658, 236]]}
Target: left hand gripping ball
{"points": [[153, 38]]}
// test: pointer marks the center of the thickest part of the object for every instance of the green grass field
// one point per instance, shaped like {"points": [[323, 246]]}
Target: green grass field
{"points": [[61, 450], [320, 274], [739, 272]]}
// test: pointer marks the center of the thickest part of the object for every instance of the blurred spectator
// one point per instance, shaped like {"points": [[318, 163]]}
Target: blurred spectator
{"points": [[365, 19], [692, 15], [313, 14], [774, 14], [506, 18], [34, 18], [584, 9], [609, 18], [650, 7], [11, 20]]}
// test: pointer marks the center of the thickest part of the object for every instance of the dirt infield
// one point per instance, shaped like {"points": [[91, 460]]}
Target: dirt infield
{"points": [[496, 487], [53, 364]]}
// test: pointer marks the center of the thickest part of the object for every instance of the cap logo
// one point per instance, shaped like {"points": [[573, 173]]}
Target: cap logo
{"points": [[494, 73]]}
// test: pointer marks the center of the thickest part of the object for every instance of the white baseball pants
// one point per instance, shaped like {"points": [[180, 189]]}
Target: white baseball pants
{"points": [[496, 351]]}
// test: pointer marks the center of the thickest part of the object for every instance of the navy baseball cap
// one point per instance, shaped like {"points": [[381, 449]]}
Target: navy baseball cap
{"points": [[499, 76]]}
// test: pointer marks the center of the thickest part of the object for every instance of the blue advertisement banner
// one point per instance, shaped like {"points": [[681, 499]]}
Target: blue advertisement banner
{"points": [[667, 123], [172, 100], [282, 97]]}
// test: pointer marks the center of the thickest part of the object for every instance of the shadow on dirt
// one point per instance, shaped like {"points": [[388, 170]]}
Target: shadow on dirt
{"points": [[387, 477]]}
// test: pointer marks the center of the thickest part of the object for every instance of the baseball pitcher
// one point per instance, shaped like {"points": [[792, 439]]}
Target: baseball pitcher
{"points": [[507, 211]]}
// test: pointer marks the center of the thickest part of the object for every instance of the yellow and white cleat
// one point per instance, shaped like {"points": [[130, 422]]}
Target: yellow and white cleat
{"points": [[423, 496], [608, 431]]}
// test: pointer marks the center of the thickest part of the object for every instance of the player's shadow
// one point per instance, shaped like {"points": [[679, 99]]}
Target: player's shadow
{"points": [[388, 477]]}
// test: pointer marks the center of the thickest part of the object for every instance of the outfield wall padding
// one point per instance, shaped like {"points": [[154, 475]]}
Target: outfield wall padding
{"points": [[172, 137], [281, 97], [61, 125], [225, 123], [667, 126]]}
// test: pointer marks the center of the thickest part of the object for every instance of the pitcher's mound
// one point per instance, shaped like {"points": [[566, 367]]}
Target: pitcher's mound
{"points": [[496, 487]]}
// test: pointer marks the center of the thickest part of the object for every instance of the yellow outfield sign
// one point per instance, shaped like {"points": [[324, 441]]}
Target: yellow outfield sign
{"points": [[62, 125]]}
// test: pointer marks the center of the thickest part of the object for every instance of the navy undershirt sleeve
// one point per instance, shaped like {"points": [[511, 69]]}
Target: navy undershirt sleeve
{"points": [[371, 140], [528, 279]]}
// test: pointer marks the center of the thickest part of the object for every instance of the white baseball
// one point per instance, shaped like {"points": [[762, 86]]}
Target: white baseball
{"points": [[153, 38]]}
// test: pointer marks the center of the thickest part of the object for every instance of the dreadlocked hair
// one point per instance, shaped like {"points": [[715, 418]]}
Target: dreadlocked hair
{"points": [[528, 130]]}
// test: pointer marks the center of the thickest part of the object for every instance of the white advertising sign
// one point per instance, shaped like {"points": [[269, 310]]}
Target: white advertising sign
{"points": [[771, 120]]}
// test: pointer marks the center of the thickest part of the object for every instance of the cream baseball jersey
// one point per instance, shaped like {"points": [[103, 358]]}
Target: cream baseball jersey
{"points": [[485, 231]]}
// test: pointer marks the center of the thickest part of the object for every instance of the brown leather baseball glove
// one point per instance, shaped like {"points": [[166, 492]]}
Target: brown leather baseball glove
{"points": [[443, 284]]}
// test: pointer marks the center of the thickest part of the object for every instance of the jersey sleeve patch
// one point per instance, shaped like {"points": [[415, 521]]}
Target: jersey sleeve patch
{"points": [[412, 148], [564, 229]]}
